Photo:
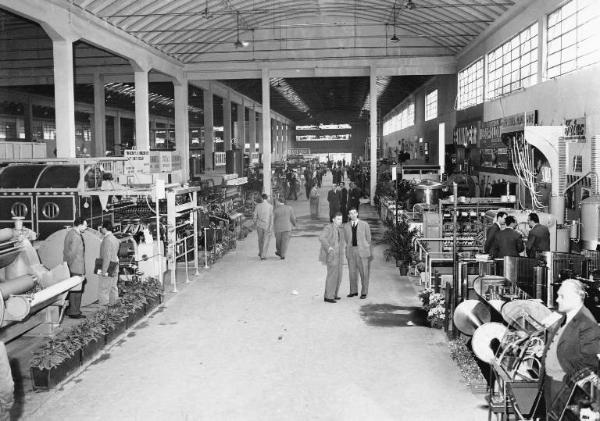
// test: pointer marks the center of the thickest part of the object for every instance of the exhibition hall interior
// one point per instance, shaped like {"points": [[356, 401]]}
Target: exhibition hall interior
{"points": [[276, 209]]}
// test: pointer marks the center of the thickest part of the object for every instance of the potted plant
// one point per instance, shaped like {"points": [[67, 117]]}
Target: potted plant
{"points": [[400, 240], [54, 361], [91, 336]]}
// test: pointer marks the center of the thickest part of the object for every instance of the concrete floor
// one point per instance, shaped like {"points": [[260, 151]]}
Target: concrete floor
{"points": [[253, 340]]}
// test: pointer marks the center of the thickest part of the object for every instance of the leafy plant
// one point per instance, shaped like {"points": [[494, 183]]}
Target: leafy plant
{"points": [[466, 362], [400, 240], [52, 354]]}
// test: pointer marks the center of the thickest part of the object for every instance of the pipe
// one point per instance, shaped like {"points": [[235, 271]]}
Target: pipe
{"points": [[595, 174]]}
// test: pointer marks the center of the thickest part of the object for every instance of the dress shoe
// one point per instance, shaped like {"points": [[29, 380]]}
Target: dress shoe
{"points": [[329, 300], [263, 258], [282, 257], [76, 316], [337, 298], [277, 254], [352, 295], [362, 297]]}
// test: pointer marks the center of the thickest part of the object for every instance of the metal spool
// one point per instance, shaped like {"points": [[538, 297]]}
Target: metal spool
{"points": [[483, 339], [469, 315], [513, 310]]}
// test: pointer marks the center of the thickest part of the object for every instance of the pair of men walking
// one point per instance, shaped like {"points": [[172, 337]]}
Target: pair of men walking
{"points": [[353, 238], [281, 220]]}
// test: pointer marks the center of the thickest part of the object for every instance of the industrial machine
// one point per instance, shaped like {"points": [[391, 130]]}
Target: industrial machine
{"points": [[32, 298]]}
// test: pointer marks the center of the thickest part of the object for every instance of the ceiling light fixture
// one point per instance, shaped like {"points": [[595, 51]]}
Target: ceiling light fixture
{"points": [[394, 37], [238, 43], [408, 4]]}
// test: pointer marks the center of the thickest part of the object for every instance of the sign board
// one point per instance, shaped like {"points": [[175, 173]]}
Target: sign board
{"points": [[575, 130], [137, 162], [298, 151], [394, 173], [237, 181], [164, 162]]}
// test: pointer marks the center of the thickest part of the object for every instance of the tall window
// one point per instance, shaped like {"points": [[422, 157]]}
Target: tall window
{"points": [[431, 105], [573, 37], [402, 120], [513, 65], [470, 85]]}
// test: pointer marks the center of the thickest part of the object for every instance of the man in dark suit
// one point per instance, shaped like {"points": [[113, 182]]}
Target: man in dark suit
{"points": [[353, 196], [344, 202], [358, 253], [507, 242], [493, 230], [308, 182], [74, 255], [334, 198], [539, 236], [332, 249], [570, 346]]}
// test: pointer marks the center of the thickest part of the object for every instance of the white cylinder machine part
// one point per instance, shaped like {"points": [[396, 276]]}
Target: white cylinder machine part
{"points": [[590, 222]]}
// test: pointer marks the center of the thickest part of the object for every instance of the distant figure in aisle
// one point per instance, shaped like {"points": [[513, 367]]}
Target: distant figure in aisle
{"points": [[308, 181], [292, 182], [332, 250], [74, 255], [572, 345], [539, 236], [507, 242], [344, 202], [334, 197], [7, 386], [495, 228], [353, 196], [358, 253], [283, 221], [314, 202], [263, 220], [108, 294]]}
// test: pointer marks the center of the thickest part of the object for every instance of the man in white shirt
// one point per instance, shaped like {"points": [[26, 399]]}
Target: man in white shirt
{"points": [[358, 252]]}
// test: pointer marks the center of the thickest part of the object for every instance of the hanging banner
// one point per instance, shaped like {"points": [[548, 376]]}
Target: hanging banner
{"points": [[575, 130]]}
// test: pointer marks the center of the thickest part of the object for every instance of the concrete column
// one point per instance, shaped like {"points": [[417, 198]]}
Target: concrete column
{"points": [[241, 122], [182, 128], [266, 132], [99, 116], [117, 134], [227, 123], [259, 133], [285, 140], [28, 119], [142, 110], [209, 141], [64, 99], [373, 130], [252, 129]]}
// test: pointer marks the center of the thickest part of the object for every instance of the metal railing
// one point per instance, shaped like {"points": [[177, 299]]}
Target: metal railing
{"points": [[220, 159]]}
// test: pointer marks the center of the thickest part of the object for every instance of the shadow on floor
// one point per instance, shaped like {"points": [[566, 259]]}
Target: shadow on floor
{"points": [[388, 315]]}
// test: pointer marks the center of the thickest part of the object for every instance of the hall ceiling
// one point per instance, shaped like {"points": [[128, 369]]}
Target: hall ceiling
{"points": [[202, 34], [194, 31]]}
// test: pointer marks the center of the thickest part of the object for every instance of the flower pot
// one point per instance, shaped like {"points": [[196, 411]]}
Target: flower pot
{"points": [[48, 378], [116, 331], [152, 303], [89, 350], [403, 267], [135, 316]]}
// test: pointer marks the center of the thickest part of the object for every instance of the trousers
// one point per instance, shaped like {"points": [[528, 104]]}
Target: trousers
{"points": [[334, 275], [282, 239], [263, 241], [358, 266], [74, 301], [108, 293]]}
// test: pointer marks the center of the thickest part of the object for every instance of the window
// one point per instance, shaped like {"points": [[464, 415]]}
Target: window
{"points": [[470, 85], [431, 105], [402, 120], [572, 37], [513, 65]]}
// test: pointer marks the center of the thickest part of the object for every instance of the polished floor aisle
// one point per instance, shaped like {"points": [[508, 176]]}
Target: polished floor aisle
{"points": [[253, 340]]}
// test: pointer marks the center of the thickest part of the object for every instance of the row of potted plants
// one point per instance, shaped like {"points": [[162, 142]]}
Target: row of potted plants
{"points": [[58, 357]]}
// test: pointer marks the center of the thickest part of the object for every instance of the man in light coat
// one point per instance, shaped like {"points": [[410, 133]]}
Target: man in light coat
{"points": [[108, 293], [358, 252], [263, 220], [283, 221], [74, 255], [332, 249]]}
